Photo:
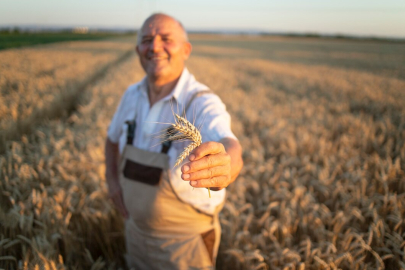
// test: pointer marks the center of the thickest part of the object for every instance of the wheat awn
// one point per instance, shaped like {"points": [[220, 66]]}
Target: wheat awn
{"points": [[182, 129]]}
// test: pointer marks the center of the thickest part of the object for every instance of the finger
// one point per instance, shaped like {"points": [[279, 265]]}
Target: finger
{"points": [[207, 148], [218, 181], [207, 173], [206, 162], [216, 188]]}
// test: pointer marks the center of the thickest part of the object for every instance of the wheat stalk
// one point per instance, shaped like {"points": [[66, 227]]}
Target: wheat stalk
{"points": [[182, 129], [185, 153]]}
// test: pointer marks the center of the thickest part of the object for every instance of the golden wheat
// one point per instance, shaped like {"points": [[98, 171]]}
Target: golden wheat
{"points": [[60, 169], [186, 152], [324, 151], [54, 70], [182, 129]]}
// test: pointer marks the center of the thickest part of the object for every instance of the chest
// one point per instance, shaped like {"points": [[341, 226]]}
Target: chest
{"points": [[150, 124]]}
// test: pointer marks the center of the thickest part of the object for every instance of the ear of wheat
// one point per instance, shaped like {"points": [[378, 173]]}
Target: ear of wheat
{"points": [[182, 129]]}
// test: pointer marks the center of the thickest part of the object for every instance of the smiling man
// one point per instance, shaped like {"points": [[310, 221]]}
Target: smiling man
{"points": [[169, 224]]}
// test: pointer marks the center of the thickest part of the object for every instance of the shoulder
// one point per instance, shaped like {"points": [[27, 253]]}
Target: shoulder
{"points": [[130, 95], [204, 97], [132, 90], [199, 93], [125, 111], [128, 102]]}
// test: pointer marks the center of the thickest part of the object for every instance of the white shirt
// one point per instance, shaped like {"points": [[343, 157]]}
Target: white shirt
{"points": [[207, 112]]}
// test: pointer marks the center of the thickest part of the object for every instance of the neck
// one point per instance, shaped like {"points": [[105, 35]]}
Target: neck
{"points": [[157, 91]]}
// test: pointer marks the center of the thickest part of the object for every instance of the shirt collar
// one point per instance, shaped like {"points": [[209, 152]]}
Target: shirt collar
{"points": [[178, 92]]}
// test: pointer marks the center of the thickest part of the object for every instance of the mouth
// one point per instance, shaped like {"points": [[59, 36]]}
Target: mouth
{"points": [[157, 58]]}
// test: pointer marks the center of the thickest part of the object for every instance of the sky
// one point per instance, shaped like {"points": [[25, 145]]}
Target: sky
{"points": [[382, 18]]}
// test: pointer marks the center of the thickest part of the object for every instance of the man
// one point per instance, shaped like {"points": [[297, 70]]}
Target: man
{"points": [[169, 225]]}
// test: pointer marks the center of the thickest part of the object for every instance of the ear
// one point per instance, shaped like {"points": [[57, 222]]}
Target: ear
{"points": [[187, 50]]}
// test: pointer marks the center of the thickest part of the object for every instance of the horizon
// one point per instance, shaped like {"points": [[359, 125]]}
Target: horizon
{"points": [[360, 19], [230, 31]]}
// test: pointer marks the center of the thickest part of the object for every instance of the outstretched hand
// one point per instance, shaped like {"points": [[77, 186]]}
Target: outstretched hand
{"points": [[209, 167]]}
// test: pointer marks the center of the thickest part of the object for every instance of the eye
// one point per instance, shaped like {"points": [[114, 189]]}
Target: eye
{"points": [[166, 39], [146, 40]]}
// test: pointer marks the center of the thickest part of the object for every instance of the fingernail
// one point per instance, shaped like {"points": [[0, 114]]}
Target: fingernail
{"points": [[186, 176], [192, 157], [186, 168], [193, 183]]}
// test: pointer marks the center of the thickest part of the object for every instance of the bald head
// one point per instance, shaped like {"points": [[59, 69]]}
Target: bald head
{"points": [[160, 17], [162, 48]]}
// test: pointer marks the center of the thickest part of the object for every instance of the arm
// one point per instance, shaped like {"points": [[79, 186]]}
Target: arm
{"points": [[111, 174], [214, 164], [234, 149]]}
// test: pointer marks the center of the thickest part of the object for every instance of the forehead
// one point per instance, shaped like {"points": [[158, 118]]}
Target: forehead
{"points": [[161, 26]]}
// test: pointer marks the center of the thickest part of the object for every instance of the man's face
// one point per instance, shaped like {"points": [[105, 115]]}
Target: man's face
{"points": [[163, 49]]}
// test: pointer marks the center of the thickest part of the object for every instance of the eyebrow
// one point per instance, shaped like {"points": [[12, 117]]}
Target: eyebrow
{"points": [[162, 35]]}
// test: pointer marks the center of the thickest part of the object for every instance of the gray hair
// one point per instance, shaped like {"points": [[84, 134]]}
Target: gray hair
{"points": [[139, 33]]}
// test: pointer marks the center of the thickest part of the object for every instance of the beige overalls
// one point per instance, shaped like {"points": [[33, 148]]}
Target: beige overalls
{"points": [[162, 231]]}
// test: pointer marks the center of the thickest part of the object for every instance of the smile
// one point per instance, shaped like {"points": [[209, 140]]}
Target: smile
{"points": [[157, 58]]}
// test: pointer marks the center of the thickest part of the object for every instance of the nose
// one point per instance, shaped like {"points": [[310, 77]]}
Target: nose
{"points": [[156, 44]]}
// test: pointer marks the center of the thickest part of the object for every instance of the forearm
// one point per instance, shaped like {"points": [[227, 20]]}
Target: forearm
{"points": [[234, 150], [111, 175], [111, 162]]}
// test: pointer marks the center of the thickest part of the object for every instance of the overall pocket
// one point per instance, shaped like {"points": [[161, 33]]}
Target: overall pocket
{"points": [[142, 173]]}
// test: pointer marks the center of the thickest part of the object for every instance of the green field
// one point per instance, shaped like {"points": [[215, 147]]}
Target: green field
{"points": [[13, 40]]}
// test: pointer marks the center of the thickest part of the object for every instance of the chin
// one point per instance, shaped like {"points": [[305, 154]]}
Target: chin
{"points": [[154, 73], [166, 73]]}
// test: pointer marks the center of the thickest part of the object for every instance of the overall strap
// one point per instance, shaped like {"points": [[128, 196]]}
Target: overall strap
{"points": [[166, 145], [132, 125], [131, 131], [196, 95]]}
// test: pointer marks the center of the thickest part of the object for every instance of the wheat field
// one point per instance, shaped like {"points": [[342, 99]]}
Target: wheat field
{"points": [[321, 123]]}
